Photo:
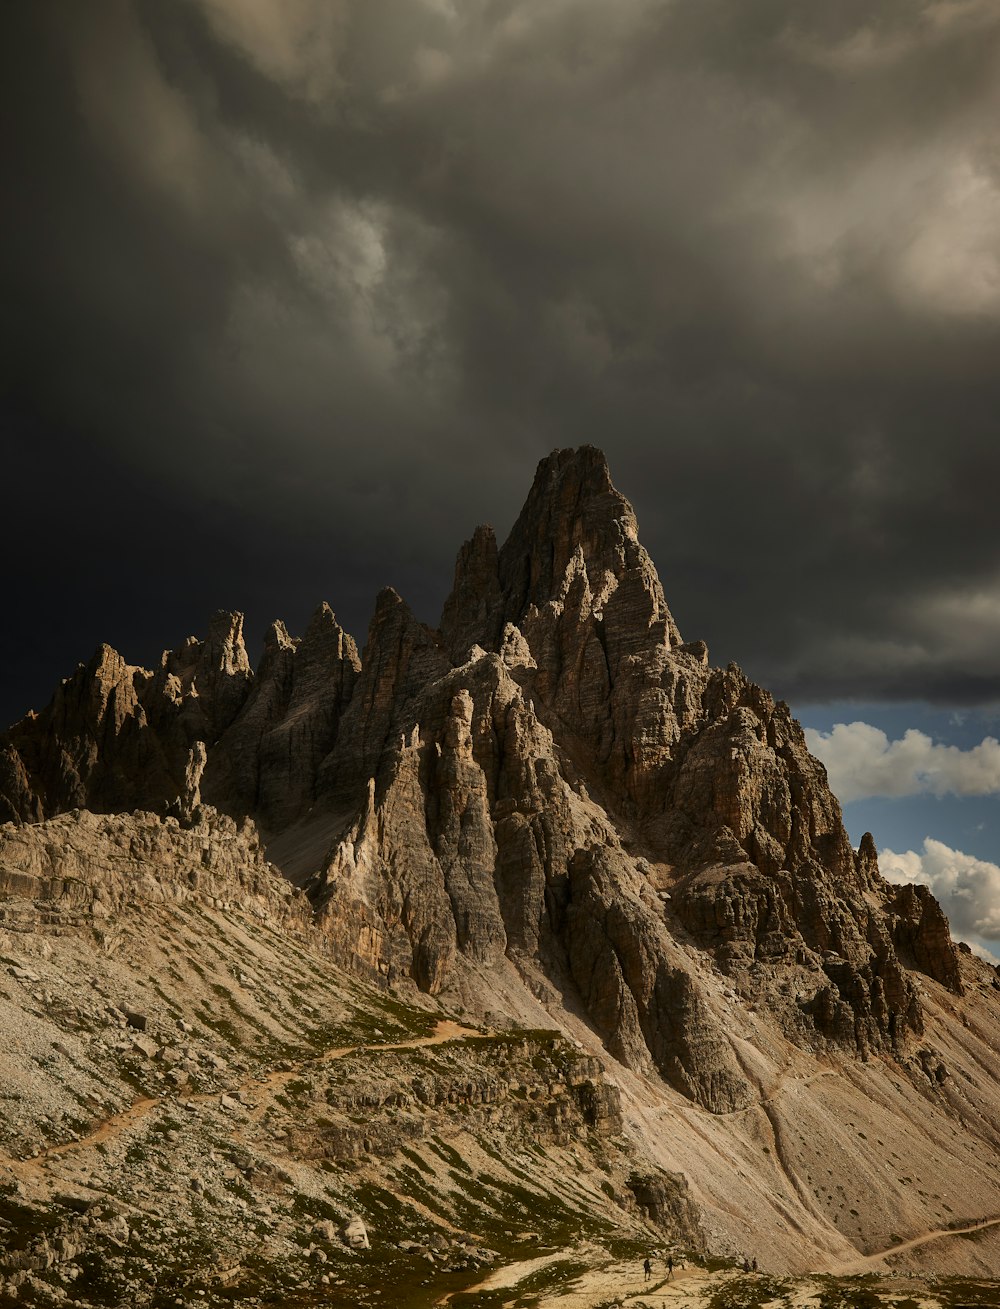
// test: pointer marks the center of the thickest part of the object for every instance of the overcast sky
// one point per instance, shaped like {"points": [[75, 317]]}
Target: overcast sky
{"points": [[298, 292]]}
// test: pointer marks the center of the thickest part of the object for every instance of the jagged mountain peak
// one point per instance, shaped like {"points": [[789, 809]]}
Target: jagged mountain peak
{"points": [[276, 639], [222, 647], [522, 787], [573, 521]]}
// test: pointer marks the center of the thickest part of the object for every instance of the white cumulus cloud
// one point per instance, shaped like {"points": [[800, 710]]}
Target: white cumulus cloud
{"points": [[968, 888], [862, 761]]}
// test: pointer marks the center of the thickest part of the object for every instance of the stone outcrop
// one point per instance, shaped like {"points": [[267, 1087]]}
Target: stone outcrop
{"points": [[267, 761], [91, 746], [400, 658], [78, 870], [120, 737], [117, 737], [574, 591], [664, 1199], [553, 779], [541, 1091], [921, 935]]}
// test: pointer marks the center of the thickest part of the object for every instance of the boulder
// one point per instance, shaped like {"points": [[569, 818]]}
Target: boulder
{"points": [[355, 1234]]}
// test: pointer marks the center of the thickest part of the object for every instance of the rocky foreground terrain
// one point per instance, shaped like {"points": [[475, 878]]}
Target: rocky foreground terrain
{"points": [[530, 939], [197, 1103]]}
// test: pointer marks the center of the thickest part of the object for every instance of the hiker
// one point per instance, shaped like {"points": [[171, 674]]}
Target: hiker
{"points": [[647, 1268], [753, 1263], [746, 1264], [670, 1266]]}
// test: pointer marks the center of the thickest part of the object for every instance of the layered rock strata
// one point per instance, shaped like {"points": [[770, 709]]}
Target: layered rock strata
{"points": [[80, 871]]}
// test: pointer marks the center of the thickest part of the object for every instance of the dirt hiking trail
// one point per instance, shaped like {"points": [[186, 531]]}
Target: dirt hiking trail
{"points": [[867, 1263], [608, 1281]]}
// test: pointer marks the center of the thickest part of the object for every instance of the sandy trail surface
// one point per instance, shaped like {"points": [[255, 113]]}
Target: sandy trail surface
{"points": [[606, 1281], [105, 1131]]}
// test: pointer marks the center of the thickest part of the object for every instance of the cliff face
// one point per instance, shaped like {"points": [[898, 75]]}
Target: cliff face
{"points": [[552, 779], [582, 793]]}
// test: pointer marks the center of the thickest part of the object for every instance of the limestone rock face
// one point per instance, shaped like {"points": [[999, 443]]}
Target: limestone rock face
{"points": [[267, 761], [664, 1199], [16, 795], [553, 781], [400, 657], [91, 746], [116, 737], [119, 737], [920, 934], [474, 846], [212, 676], [583, 601], [635, 987], [472, 611], [235, 767], [87, 867], [573, 712]]}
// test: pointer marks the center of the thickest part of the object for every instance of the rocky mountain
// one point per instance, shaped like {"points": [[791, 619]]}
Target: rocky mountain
{"points": [[553, 804]]}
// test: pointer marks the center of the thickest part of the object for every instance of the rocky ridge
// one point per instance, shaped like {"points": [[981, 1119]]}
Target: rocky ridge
{"points": [[553, 777]]}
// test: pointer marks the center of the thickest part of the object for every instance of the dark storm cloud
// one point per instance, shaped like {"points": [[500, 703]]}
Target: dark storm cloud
{"points": [[299, 292]]}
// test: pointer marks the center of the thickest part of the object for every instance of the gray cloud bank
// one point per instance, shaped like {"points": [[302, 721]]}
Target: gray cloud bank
{"points": [[298, 292]]}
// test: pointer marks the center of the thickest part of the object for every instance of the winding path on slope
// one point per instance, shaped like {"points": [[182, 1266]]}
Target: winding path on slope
{"points": [[866, 1263], [862, 1263], [115, 1125], [445, 1030]]}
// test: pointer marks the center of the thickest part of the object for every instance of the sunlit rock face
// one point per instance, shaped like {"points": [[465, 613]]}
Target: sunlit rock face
{"points": [[562, 780], [552, 779]]}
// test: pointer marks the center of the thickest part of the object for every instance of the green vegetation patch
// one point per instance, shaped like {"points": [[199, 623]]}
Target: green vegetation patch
{"points": [[416, 1159], [958, 1292], [551, 1279], [448, 1154]]}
